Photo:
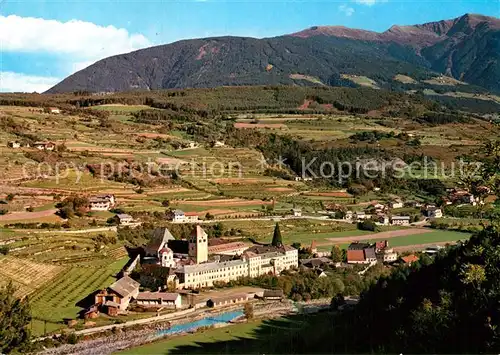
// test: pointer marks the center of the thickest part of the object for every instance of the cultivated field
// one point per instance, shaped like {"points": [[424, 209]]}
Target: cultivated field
{"points": [[27, 276]]}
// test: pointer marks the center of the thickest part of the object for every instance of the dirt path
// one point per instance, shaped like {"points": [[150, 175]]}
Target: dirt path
{"points": [[18, 216], [381, 236]]}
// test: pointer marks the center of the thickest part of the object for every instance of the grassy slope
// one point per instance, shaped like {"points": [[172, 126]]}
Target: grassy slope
{"points": [[212, 336], [61, 299]]}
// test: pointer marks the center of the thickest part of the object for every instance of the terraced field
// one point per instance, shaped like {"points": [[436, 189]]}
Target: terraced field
{"points": [[26, 276], [65, 295]]}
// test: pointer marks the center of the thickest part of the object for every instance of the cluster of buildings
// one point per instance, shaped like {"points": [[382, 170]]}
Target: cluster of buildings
{"points": [[179, 216], [49, 146], [366, 253], [380, 213], [196, 262], [379, 218], [464, 197], [192, 264]]}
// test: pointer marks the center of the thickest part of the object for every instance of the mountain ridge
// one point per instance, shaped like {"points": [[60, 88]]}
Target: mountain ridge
{"points": [[466, 48]]}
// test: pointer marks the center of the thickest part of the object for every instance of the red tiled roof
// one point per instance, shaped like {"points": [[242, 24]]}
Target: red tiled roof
{"points": [[226, 247], [410, 258]]}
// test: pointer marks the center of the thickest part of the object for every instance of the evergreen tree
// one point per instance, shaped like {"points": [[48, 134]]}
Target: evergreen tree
{"points": [[277, 240], [15, 316]]}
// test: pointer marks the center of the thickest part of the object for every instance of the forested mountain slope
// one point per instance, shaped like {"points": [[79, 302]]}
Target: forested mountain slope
{"points": [[466, 48]]}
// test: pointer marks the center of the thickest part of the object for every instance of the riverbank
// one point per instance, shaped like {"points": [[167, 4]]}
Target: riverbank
{"points": [[120, 339]]}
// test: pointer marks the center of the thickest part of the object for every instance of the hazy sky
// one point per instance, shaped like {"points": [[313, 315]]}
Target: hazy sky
{"points": [[41, 42]]}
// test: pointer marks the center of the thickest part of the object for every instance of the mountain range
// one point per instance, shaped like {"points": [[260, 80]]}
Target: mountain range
{"points": [[466, 48]]}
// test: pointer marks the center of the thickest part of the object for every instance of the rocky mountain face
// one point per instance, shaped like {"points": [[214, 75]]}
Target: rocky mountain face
{"points": [[466, 48]]}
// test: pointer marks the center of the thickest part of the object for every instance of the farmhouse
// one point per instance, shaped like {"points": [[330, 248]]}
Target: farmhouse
{"points": [[400, 220], [433, 212], [159, 299], [466, 198], [176, 216], [384, 253], [361, 253], [360, 216], [101, 202], [190, 217], [124, 219], [119, 293], [379, 207], [410, 259], [382, 220], [44, 145], [14, 144], [396, 204]]}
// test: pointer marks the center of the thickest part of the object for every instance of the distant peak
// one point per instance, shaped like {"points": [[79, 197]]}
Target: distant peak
{"points": [[429, 29], [336, 31]]}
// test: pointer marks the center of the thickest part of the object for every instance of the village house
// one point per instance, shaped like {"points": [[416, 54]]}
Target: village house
{"points": [[176, 216], [360, 215], [159, 299], [396, 204], [379, 207], [361, 253], [316, 263], [382, 220], [410, 259], [400, 220], [412, 204], [432, 250], [44, 146], [118, 295], [14, 144], [54, 110], [124, 219], [191, 217], [297, 212], [459, 196], [101, 202], [433, 212], [384, 252]]}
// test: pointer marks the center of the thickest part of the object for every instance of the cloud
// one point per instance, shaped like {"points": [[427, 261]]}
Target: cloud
{"points": [[79, 39], [17, 82], [348, 11], [369, 2], [73, 45]]}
